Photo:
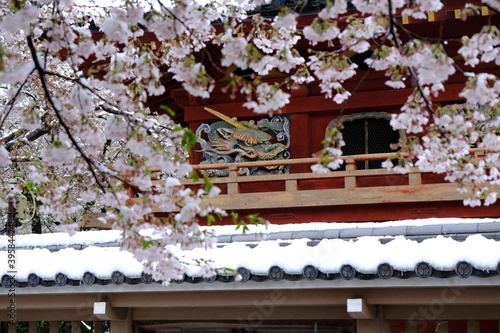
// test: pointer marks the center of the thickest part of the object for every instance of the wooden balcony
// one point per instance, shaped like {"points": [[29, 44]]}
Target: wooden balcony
{"points": [[350, 187], [350, 195]]}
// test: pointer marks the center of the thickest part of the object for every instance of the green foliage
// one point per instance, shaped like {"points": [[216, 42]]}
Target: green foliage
{"points": [[147, 243], [194, 176], [208, 183], [29, 186], [16, 5], [470, 10], [188, 139], [225, 271], [333, 139], [252, 219], [168, 110], [3, 57], [211, 218]]}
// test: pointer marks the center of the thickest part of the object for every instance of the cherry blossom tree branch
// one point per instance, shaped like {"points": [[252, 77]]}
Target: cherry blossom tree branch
{"points": [[395, 38], [48, 96], [30, 136], [12, 101]]}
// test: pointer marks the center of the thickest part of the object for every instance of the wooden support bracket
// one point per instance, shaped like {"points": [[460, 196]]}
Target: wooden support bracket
{"points": [[357, 308], [104, 311]]}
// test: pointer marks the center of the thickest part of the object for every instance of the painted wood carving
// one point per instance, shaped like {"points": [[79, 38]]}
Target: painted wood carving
{"points": [[230, 140]]}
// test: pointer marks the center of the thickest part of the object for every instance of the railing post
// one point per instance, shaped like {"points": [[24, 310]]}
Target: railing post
{"points": [[350, 182], [232, 184], [415, 177], [350, 163], [291, 185], [479, 153]]}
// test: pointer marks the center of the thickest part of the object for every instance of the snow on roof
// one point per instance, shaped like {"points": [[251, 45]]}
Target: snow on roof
{"points": [[364, 254], [73, 263], [64, 239], [328, 256], [111, 236]]}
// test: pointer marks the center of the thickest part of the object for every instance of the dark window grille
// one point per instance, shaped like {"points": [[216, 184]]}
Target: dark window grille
{"points": [[368, 135]]}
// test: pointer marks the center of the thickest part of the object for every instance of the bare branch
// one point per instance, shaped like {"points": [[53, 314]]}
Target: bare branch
{"points": [[10, 144]]}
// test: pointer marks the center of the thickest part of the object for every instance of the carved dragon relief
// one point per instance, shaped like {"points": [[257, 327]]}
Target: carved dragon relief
{"points": [[230, 140]]}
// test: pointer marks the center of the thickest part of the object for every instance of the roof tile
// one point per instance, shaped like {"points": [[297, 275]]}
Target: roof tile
{"points": [[459, 228], [331, 234], [355, 232], [390, 231], [488, 227], [424, 230], [311, 234], [224, 239], [280, 235], [244, 238]]}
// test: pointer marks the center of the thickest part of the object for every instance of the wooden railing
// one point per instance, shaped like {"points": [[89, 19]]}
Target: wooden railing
{"points": [[307, 189]]}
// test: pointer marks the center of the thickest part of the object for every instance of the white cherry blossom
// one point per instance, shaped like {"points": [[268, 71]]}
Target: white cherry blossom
{"points": [[77, 81]]}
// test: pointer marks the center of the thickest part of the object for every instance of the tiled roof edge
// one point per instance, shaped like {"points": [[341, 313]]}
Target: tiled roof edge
{"points": [[457, 230], [384, 271]]}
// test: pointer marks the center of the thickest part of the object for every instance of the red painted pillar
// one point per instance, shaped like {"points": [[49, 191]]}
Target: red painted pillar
{"points": [[457, 326], [489, 326], [398, 326], [300, 139], [426, 326]]}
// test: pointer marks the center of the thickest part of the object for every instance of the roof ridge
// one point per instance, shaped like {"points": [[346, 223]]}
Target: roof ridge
{"points": [[456, 231]]}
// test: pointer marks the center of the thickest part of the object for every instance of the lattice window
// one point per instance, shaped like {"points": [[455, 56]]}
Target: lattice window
{"points": [[367, 133]]}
